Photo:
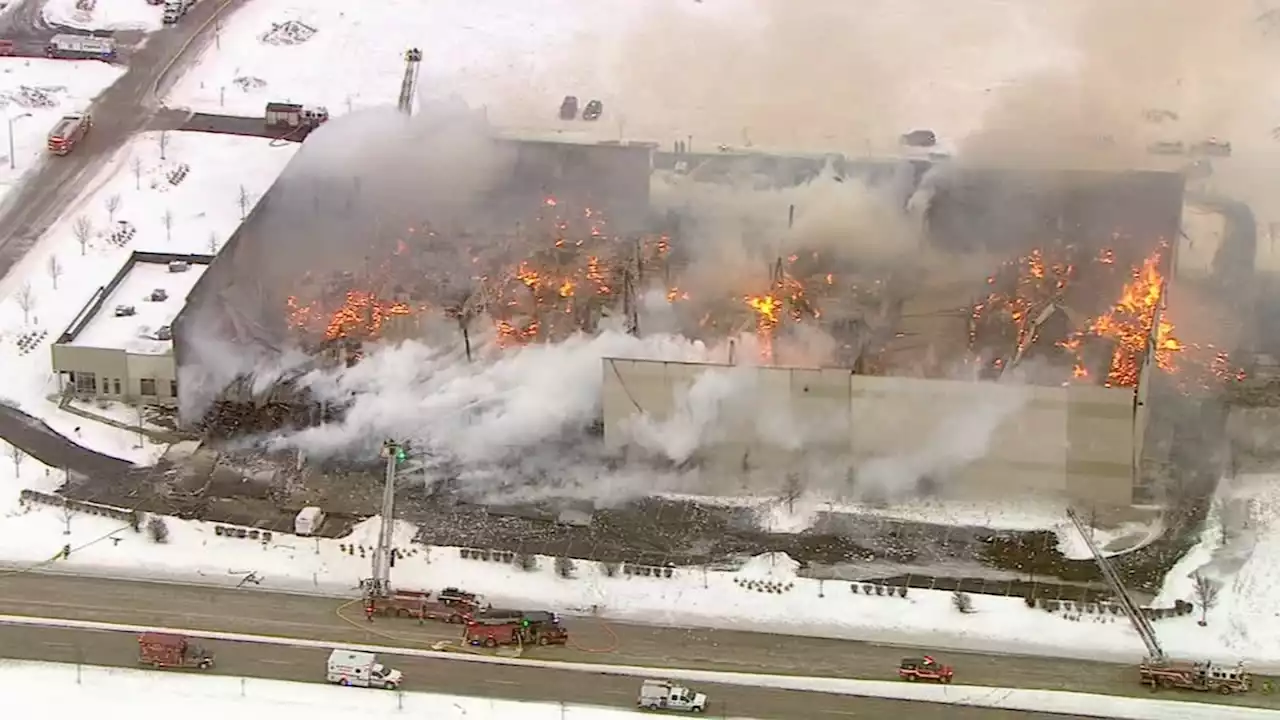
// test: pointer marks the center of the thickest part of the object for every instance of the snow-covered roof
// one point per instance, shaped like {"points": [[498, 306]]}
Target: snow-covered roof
{"points": [[136, 333]]}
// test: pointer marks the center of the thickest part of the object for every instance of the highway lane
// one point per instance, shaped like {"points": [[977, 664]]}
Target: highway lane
{"points": [[119, 112], [515, 683], [594, 641]]}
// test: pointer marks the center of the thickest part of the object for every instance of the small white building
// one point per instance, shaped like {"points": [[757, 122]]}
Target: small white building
{"points": [[120, 346]]}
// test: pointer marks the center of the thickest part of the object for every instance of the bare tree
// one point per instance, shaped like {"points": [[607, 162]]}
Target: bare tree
{"points": [[26, 298], [244, 201], [17, 456], [68, 514], [55, 270], [136, 167], [213, 243], [792, 489], [83, 229], [167, 220], [1206, 592], [113, 206], [164, 143]]}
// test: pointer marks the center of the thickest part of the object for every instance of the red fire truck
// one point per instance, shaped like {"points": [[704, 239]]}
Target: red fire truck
{"points": [[163, 650], [68, 132], [450, 605], [1202, 676], [507, 627]]}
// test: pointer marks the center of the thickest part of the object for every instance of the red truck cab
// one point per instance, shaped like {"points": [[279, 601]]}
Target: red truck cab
{"points": [[925, 668], [165, 650], [68, 131]]}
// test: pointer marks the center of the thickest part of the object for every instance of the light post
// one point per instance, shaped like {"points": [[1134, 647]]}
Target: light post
{"points": [[13, 161]]}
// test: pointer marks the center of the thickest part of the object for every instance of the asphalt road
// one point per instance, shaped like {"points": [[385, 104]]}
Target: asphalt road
{"points": [[515, 683], [120, 111], [593, 641]]}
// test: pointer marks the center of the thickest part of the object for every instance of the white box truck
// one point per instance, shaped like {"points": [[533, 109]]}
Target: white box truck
{"points": [[308, 521], [361, 669], [663, 695]]}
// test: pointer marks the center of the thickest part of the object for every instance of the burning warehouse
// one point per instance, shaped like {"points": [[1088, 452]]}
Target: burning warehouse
{"points": [[1055, 278]]}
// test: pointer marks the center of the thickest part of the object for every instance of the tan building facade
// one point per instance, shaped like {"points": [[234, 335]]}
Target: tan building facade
{"points": [[973, 440], [120, 346]]}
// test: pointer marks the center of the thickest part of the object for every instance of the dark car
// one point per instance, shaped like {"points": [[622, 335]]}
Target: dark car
{"points": [[924, 668], [593, 110], [569, 108]]}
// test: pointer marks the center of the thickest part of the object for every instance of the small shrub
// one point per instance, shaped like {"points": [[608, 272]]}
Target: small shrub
{"points": [[158, 529], [880, 590], [528, 563], [610, 569], [866, 589], [565, 567], [962, 602], [902, 591]]}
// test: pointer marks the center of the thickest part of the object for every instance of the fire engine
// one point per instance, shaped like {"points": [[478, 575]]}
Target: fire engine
{"points": [[450, 605], [506, 627], [1203, 676], [1159, 670], [164, 650], [68, 131]]}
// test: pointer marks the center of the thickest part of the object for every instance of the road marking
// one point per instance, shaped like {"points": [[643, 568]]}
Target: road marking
{"points": [[58, 645], [276, 662], [493, 681], [837, 712]]}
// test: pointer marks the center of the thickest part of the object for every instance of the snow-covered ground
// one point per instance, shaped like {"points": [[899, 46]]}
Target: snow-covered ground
{"points": [[103, 14], [34, 93], [122, 694], [135, 191], [738, 72], [764, 593]]}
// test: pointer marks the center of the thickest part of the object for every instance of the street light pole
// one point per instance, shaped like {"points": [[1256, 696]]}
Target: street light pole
{"points": [[13, 160]]}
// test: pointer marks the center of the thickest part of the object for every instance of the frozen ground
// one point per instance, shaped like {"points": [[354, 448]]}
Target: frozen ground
{"points": [[120, 694], [198, 184], [34, 93], [103, 14], [724, 72]]}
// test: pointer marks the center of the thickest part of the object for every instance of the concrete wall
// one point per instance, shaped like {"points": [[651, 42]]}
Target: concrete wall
{"points": [[118, 374], [977, 440]]}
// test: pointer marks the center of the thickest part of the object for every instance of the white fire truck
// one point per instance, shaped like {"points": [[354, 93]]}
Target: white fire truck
{"points": [[80, 47], [68, 132]]}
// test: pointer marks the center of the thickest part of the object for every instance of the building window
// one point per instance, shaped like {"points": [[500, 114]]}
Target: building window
{"points": [[115, 386], [147, 387], [86, 383], [173, 388]]}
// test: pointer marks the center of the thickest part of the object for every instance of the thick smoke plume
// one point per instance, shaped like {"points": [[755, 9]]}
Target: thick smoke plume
{"points": [[1011, 85]]}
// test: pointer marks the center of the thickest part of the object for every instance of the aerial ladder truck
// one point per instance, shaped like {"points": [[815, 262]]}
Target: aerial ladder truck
{"points": [[1157, 669]]}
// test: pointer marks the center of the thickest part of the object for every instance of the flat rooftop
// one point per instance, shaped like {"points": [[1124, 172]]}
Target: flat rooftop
{"points": [[136, 333]]}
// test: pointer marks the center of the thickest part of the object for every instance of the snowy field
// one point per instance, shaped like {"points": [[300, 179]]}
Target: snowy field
{"points": [[198, 186], [103, 14], [34, 93], [119, 694], [520, 59]]}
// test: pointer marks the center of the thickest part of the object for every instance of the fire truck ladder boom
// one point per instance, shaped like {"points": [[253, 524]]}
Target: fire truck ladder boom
{"points": [[1131, 609], [409, 85]]}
